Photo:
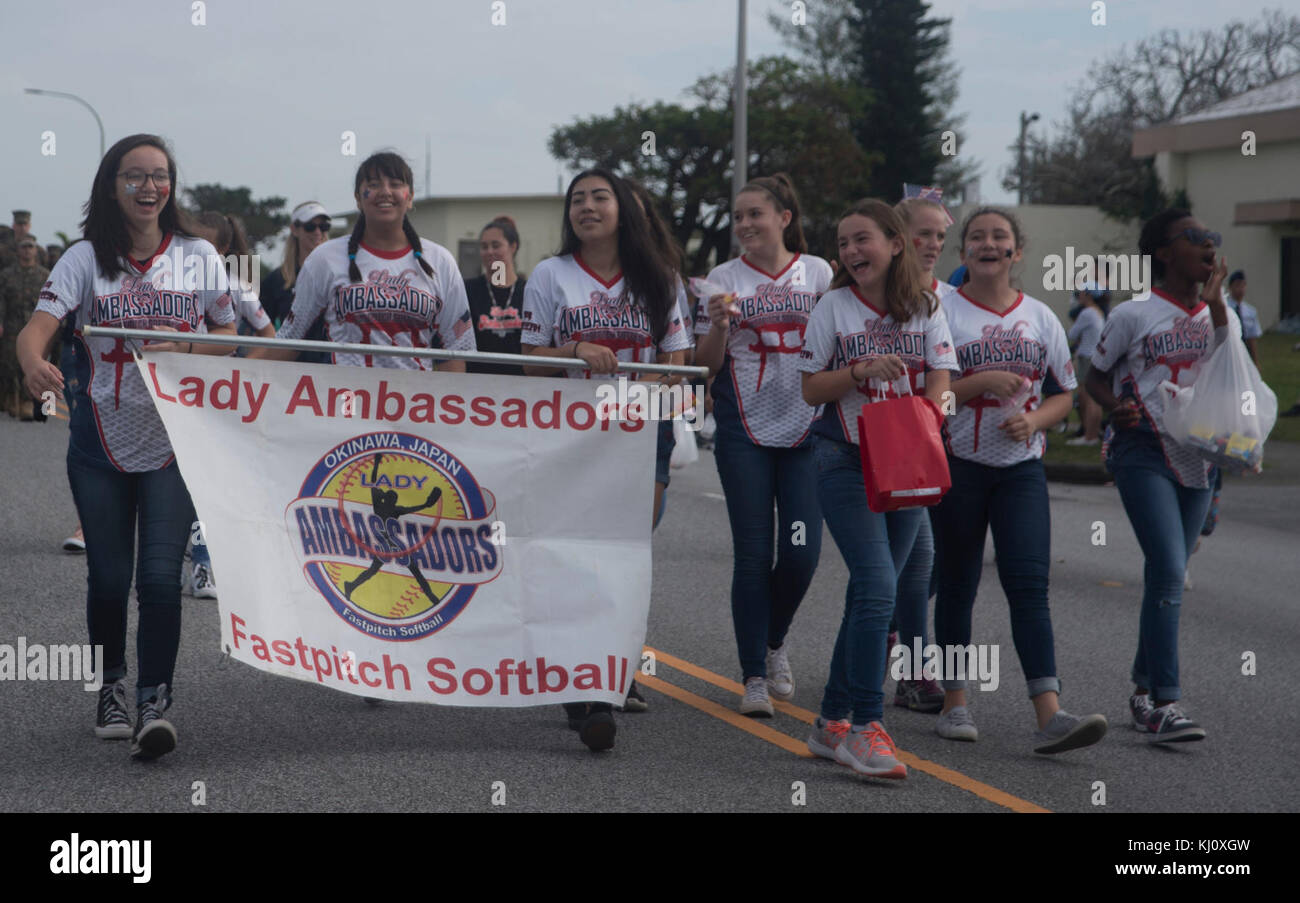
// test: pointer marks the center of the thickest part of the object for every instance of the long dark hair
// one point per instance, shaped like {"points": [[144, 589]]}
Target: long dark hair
{"points": [[907, 294], [103, 225], [659, 230], [647, 273], [391, 165]]}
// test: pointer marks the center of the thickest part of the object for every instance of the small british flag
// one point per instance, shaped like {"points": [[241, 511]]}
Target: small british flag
{"points": [[927, 193], [942, 348], [462, 325]]}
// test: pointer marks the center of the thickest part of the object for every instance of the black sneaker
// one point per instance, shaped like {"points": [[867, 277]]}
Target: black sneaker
{"points": [[576, 713], [1168, 724], [598, 728], [635, 702], [112, 722], [154, 734]]}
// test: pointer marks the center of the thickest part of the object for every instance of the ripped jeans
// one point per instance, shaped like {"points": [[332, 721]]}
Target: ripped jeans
{"points": [[1167, 518]]}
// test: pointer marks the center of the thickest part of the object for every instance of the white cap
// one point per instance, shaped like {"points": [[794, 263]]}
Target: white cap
{"points": [[305, 213]]}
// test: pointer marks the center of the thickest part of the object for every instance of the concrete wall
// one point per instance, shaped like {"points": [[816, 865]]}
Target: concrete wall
{"points": [[1050, 230], [1219, 179], [451, 220]]}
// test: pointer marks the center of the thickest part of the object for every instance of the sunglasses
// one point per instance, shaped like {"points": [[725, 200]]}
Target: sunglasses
{"points": [[312, 227], [1198, 237]]}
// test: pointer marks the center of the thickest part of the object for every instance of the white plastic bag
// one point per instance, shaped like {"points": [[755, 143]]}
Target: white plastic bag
{"points": [[1227, 413], [685, 451]]}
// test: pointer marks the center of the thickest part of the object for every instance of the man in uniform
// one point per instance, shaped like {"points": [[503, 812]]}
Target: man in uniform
{"points": [[20, 288]]}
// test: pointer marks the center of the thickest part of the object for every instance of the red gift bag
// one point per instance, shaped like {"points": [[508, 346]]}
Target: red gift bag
{"points": [[904, 463]]}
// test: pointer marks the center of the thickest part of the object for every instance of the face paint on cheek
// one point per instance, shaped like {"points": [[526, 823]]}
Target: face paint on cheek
{"points": [[164, 193], [131, 189]]}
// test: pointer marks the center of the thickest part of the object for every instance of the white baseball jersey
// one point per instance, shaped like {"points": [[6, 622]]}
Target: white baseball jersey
{"points": [[1150, 339], [684, 310], [248, 307], [115, 419], [566, 302], [942, 289], [845, 328], [1026, 339], [759, 383], [396, 304]]}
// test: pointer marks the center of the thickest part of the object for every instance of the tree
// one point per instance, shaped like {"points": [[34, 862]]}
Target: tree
{"points": [[798, 123], [898, 58], [262, 218], [1089, 158]]}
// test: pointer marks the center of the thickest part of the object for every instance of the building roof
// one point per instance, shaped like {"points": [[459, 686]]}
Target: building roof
{"points": [[1283, 94]]}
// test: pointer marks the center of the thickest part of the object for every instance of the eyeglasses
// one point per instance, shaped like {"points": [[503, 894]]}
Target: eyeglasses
{"points": [[1198, 237], [134, 178], [312, 227]]}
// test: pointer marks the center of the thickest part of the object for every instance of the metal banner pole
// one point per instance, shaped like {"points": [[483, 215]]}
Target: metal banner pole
{"points": [[442, 354]]}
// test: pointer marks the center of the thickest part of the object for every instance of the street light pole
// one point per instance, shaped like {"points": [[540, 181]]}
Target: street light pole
{"points": [[99, 122], [1020, 174], [739, 135]]}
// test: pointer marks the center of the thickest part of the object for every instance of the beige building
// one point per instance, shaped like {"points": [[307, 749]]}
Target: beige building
{"points": [[1059, 240], [455, 222], [1239, 162]]}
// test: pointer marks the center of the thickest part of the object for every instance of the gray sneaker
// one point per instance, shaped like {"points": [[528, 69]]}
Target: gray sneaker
{"points": [[1140, 707], [826, 737], [756, 704], [780, 680], [1066, 731], [957, 724], [871, 753]]}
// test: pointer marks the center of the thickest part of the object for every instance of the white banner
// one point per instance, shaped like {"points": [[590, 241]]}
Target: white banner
{"points": [[448, 538]]}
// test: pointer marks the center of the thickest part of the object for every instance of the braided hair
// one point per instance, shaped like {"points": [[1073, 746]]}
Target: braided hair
{"points": [[391, 165]]}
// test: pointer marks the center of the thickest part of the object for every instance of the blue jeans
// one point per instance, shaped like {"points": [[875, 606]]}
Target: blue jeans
{"points": [[110, 503], [1167, 519], [875, 549], [915, 578], [1012, 501], [764, 596]]}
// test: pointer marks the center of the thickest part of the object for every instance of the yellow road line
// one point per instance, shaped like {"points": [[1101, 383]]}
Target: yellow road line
{"points": [[735, 719], [942, 773]]}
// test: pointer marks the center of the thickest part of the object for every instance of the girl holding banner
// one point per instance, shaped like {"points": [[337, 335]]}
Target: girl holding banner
{"points": [[878, 324], [338, 279], [612, 274], [750, 337], [120, 463], [1006, 344]]}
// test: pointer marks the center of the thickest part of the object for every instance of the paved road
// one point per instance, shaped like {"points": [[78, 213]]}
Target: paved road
{"points": [[264, 743]]}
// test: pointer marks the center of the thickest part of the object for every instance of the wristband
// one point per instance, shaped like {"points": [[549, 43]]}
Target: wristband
{"points": [[191, 349], [575, 349]]}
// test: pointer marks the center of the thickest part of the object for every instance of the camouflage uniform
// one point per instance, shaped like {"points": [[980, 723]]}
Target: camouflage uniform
{"points": [[20, 288], [8, 248]]}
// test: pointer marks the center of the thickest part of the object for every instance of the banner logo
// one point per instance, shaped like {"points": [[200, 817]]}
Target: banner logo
{"points": [[395, 533]]}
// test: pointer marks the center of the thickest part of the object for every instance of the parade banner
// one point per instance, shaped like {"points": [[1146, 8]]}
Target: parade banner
{"points": [[457, 539]]}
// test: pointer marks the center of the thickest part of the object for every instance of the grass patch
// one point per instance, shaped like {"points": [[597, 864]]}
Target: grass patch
{"points": [[1280, 367]]}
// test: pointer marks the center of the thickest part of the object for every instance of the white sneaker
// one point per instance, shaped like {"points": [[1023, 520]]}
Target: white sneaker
{"points": [[957, 724], [756, 704], [1187, 579], [204, 586], [780, 681]]}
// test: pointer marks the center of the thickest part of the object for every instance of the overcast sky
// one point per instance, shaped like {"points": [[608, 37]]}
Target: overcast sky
{"points": [[261, 93]]}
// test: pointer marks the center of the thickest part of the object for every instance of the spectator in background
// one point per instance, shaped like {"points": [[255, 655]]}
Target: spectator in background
{"points": [[496, 298], [227, 235], [20, 287], [1236, 298], [52, 255], [1093, 304], [309, 227], [22, 227]]}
